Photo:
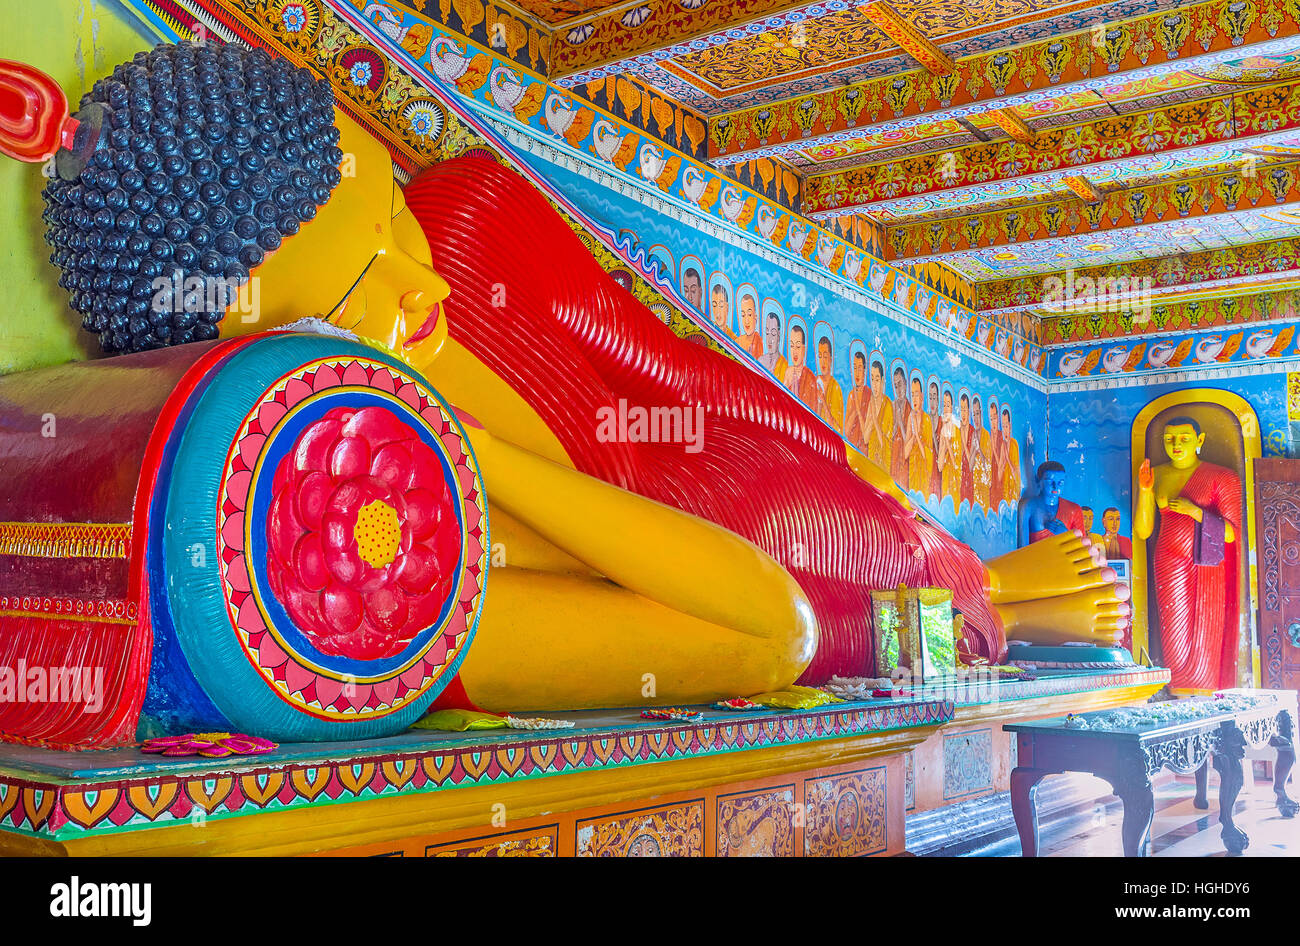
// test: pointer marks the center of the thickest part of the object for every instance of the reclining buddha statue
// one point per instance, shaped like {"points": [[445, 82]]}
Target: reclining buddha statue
{"points": [[462, 304]]}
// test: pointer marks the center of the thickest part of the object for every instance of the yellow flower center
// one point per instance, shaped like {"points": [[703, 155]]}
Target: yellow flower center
{"points": [[378, 533]]}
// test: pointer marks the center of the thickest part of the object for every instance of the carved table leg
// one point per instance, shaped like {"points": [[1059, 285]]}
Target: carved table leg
{"points": [[1228, 754], [1285, 745], [1136, 792], [1202, 799], [1024, 788]]}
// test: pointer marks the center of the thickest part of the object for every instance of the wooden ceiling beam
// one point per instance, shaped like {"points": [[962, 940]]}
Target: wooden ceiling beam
{"points": [[908, 38]]}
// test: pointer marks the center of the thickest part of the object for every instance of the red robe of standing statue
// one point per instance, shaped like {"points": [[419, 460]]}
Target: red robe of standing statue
{"points": [[769, 471], [1198, 605]]}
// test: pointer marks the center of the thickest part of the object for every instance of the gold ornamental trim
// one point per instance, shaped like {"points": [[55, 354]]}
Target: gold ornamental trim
{"points": [[66, 539]]}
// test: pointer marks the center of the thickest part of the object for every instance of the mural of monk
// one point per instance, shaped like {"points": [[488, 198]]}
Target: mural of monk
{"points": [[978, 445], [772, 358], [1116, 545], [878, 421], [855, 408], [997, 459], [917, 442], [720, 310], [750, 340], [799, 378], [966, 490], [832, 398], [935, 486], [1195, 558], [1089, 517], [898, 468], [951, 472], [692, 289], [1011, 453]]}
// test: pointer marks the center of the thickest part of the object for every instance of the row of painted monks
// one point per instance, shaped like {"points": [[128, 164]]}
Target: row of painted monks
{"points": [[935, 448]]}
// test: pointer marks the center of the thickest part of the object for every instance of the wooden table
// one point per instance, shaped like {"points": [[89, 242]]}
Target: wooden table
{"points": [[1129, 757]]}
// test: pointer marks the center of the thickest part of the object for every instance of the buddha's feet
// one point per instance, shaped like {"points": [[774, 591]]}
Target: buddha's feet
{"points": [[1051, 568], [1100, 615]]}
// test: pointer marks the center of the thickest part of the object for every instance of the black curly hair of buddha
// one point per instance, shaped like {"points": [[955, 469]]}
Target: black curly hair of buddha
{"points": [[208, 156]]}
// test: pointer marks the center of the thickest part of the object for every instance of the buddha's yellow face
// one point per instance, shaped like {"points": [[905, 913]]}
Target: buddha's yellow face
{"points": [[1182, 444], [362, 264]]}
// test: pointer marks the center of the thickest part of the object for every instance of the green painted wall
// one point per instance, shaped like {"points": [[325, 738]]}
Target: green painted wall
{"points": [[75, 41]]}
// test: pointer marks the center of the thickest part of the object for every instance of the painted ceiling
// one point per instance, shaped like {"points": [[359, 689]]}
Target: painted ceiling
{"points": [[984, 146]]}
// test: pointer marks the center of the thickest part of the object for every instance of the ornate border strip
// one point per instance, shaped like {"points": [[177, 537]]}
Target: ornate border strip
{"points": [[66, 539], [1150, 379], [63, 811], [66, 608]]}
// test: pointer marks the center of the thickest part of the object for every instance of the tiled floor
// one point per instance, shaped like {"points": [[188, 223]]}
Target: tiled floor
{"points": [[1178, 830]]}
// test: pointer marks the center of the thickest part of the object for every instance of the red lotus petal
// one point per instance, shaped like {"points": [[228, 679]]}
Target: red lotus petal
{"points": [[343, 561], [344, 504], [446, 545], [392, 466], [283, 474], [417, 570], [275, 575], [349, 458], [387, 609], [376, 425], [315, 443], [422, 513], [283, 528], [426, 470], [424, 610], [304, 608], [343, 610], [313, 493], [372, 579], [309, 562]]}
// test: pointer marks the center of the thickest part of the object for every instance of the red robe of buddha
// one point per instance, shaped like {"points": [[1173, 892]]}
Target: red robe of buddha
{"points": [[1198, 604], [769, 470]]}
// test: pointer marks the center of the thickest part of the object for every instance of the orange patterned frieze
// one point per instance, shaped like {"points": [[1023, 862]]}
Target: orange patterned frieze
{"points": [[1120, 210], [804, 47], [624, 32], [672, 831], [845, 814], [1193, 37], [1257, 261], [536, 842], [995, 167], [66, 539], [1177, 317], [757, 823]]}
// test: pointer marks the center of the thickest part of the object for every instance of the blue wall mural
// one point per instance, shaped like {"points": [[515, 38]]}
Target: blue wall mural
{"points": [[1091, 434], [806, 337]]}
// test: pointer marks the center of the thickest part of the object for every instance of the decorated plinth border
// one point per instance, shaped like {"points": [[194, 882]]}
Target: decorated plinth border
{"points": [[66, 539], [974, 692], [296, 677], [61, 607], [61, 812]]}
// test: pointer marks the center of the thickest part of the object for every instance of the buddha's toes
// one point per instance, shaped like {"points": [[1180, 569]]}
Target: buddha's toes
{"points": [[1052, 567]]}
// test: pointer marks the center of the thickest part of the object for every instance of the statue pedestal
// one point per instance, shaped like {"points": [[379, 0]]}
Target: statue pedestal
{"points": [[808, 783]]}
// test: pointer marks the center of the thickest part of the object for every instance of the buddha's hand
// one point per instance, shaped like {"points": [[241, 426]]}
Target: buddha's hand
{"points": [[1146, 476], [1187, 508]]}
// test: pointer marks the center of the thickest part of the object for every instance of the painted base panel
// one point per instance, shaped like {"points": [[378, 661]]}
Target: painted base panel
{"points": [[825, 782]]}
